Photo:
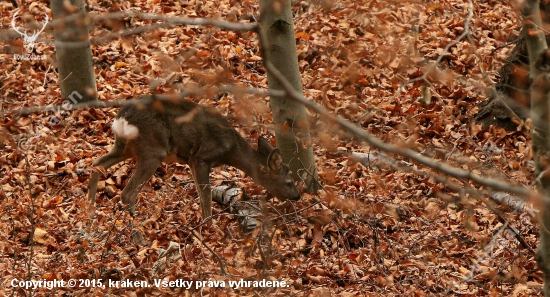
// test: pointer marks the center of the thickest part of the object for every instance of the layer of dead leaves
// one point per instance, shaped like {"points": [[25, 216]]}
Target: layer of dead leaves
{"points": [[374, 230]]}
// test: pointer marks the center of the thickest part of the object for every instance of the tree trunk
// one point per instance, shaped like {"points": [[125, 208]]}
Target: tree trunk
{"points": [[74, 62], [537, 50], [289, 117], [511, 100]]}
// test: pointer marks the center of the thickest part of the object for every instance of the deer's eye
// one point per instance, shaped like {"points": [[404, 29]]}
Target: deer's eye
{"points": [[289, 184]]}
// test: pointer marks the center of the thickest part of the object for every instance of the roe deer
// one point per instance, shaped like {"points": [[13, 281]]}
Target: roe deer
{"points": [[189, 133]]}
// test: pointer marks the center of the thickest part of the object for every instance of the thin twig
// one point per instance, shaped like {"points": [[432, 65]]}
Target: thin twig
{"points": [[31, 219], [220, 260]]}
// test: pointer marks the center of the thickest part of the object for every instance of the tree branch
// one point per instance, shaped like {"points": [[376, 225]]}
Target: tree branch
{"points": [[395, 149]]}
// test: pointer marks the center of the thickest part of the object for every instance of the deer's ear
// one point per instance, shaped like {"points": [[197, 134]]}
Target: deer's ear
{"points": [[275, 161]]}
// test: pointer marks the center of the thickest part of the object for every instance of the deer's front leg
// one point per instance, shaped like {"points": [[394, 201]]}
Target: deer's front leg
{"points": [[201, 175]]}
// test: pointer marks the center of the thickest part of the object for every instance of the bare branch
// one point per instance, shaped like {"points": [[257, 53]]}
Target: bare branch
{"points": [[167, 22], [395, 149], [140, 100]]}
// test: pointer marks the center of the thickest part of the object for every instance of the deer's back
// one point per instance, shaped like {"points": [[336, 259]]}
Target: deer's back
{"points": [[184, 130]]}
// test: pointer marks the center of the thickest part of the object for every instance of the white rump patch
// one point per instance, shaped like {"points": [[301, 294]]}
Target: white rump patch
{"points": [[124, 129]]}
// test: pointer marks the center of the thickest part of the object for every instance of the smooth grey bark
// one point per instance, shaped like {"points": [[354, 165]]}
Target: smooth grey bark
{"points": [[537, 49], [289, 117], [74, 63]]}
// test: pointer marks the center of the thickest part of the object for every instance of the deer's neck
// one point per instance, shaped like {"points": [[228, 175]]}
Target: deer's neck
{"points": [[248, 160]]}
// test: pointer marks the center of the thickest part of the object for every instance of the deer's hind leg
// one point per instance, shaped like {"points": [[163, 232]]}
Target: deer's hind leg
{"points": [[116, 155]]}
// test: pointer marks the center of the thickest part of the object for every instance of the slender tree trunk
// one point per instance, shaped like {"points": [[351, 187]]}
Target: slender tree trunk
{"points": [[537, 49], [509, 104], [289, 117], [74, 62]]}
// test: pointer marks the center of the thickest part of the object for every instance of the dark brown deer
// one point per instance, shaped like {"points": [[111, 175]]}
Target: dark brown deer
{"points": [[189, 133]]}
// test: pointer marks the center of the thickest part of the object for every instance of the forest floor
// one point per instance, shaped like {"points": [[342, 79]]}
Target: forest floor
{"points": [[388, 227]]}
